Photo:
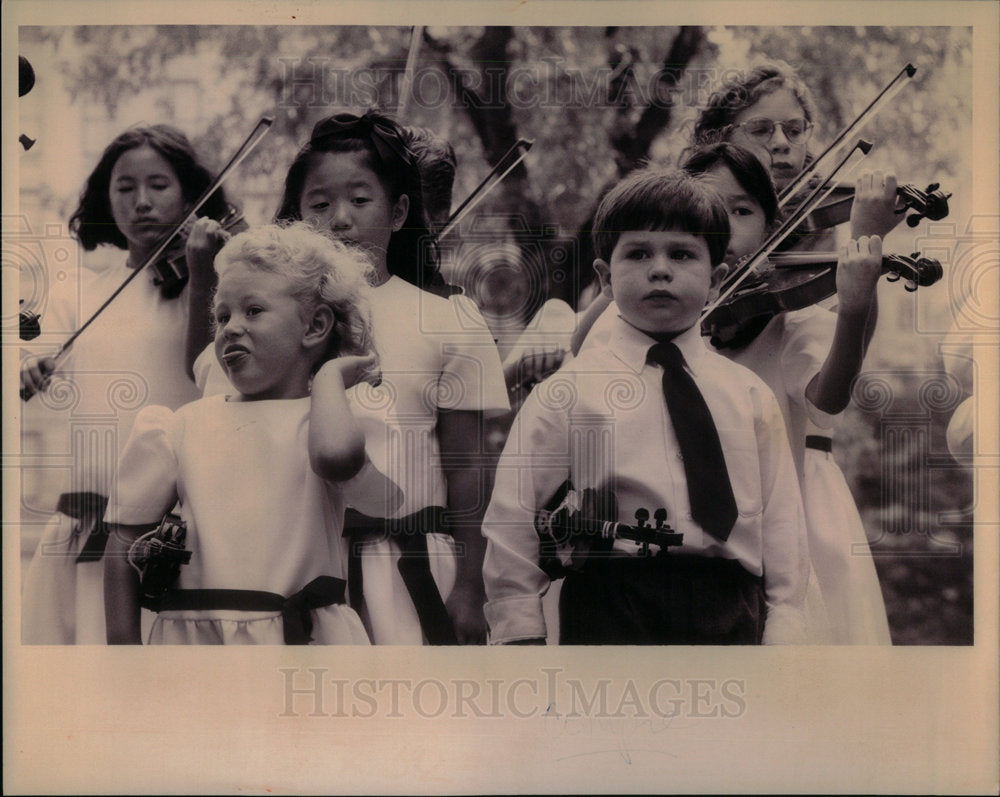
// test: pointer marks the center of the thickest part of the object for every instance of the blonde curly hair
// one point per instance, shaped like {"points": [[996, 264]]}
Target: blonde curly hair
{"points": [[321, 270]]}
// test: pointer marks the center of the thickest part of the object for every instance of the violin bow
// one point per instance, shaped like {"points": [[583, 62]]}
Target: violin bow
{"points": [[890, 91], [245, 149], [522, 146], [812, 201]]}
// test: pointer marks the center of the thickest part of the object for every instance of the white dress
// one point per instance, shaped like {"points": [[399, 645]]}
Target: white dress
{"points": [[849, 608], [258, 517], [131, 356], [435, 354]]}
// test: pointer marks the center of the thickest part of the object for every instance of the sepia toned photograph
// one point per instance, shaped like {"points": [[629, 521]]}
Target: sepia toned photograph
{"points": [[614, 389]]}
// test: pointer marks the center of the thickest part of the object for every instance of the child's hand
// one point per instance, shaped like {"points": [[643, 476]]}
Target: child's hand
{"points": [[465, 607], [533, 364], [205, 240], [36, 373], [858, 269], [354, 368], [873, 211]]}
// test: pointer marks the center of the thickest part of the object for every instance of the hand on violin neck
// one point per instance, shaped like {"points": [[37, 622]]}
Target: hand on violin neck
{"points": [[204, 241], [874, 208], [858, 269]]}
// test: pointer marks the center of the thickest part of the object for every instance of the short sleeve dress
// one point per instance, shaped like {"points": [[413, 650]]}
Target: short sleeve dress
{"points": [[787, 354], [130, 357], [258, 517], [436, 354]]}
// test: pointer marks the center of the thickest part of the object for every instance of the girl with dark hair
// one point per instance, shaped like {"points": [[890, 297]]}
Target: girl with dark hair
{"points": [[90, 222], [376, 144], [357, 181], [133, 354], [415, 576], [809, 358]]}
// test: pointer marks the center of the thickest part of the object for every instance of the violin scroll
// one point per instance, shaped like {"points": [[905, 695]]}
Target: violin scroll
{"points": [[929, 204], [29, 324], [916, 270]]}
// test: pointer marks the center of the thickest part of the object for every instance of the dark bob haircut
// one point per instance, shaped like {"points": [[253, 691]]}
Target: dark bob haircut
{"points": [[746, 167], [92, 224], [436, 162], [654, 198], [743, 90], [411, 254]]}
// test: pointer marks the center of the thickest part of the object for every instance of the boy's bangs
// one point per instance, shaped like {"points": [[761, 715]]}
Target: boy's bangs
{"points": [[676, 206]]}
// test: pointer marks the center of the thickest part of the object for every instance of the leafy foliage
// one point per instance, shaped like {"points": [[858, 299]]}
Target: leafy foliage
{"points": [[596, 102]]}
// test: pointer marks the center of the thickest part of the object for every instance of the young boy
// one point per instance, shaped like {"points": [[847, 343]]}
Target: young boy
{"points": [[659, 421]]}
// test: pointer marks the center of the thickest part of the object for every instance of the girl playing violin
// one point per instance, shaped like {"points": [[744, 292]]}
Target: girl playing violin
{"points": [[133, 354], [769, 110], [809, 358]]}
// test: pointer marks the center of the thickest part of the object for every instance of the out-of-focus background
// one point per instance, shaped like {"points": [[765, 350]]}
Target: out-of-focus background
{"points": [[597, 102]]}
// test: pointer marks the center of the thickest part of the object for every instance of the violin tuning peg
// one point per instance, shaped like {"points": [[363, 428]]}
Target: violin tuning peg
{"points": [[641, 516], [914, 220], [29, 325], [660, 516]]}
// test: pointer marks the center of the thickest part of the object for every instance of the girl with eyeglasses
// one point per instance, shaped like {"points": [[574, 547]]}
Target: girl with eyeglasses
{"points": [[769, 110]]}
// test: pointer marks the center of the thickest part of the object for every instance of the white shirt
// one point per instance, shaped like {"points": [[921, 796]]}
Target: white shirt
{"points": [[602, 422]]}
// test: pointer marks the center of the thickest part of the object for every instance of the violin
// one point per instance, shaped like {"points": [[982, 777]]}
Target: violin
{"points": [[931, 203], [258, 133], [29, 326], [833, 149], [170, 272], [797, 280], [752, 265]]}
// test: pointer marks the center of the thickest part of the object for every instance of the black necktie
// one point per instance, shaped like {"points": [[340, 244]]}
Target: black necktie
{"points": [[713, 505]]}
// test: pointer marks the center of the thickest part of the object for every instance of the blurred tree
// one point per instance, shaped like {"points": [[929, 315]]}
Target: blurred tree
{"points": [[597, 101]]}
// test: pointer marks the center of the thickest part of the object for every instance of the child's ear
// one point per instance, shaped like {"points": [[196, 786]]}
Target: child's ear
{"points": [[718, 275], [400, 211], [320, 327], [604, 275]]}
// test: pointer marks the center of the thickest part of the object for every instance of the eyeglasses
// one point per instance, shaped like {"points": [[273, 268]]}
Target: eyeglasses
{"points": [[795, 130]]}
